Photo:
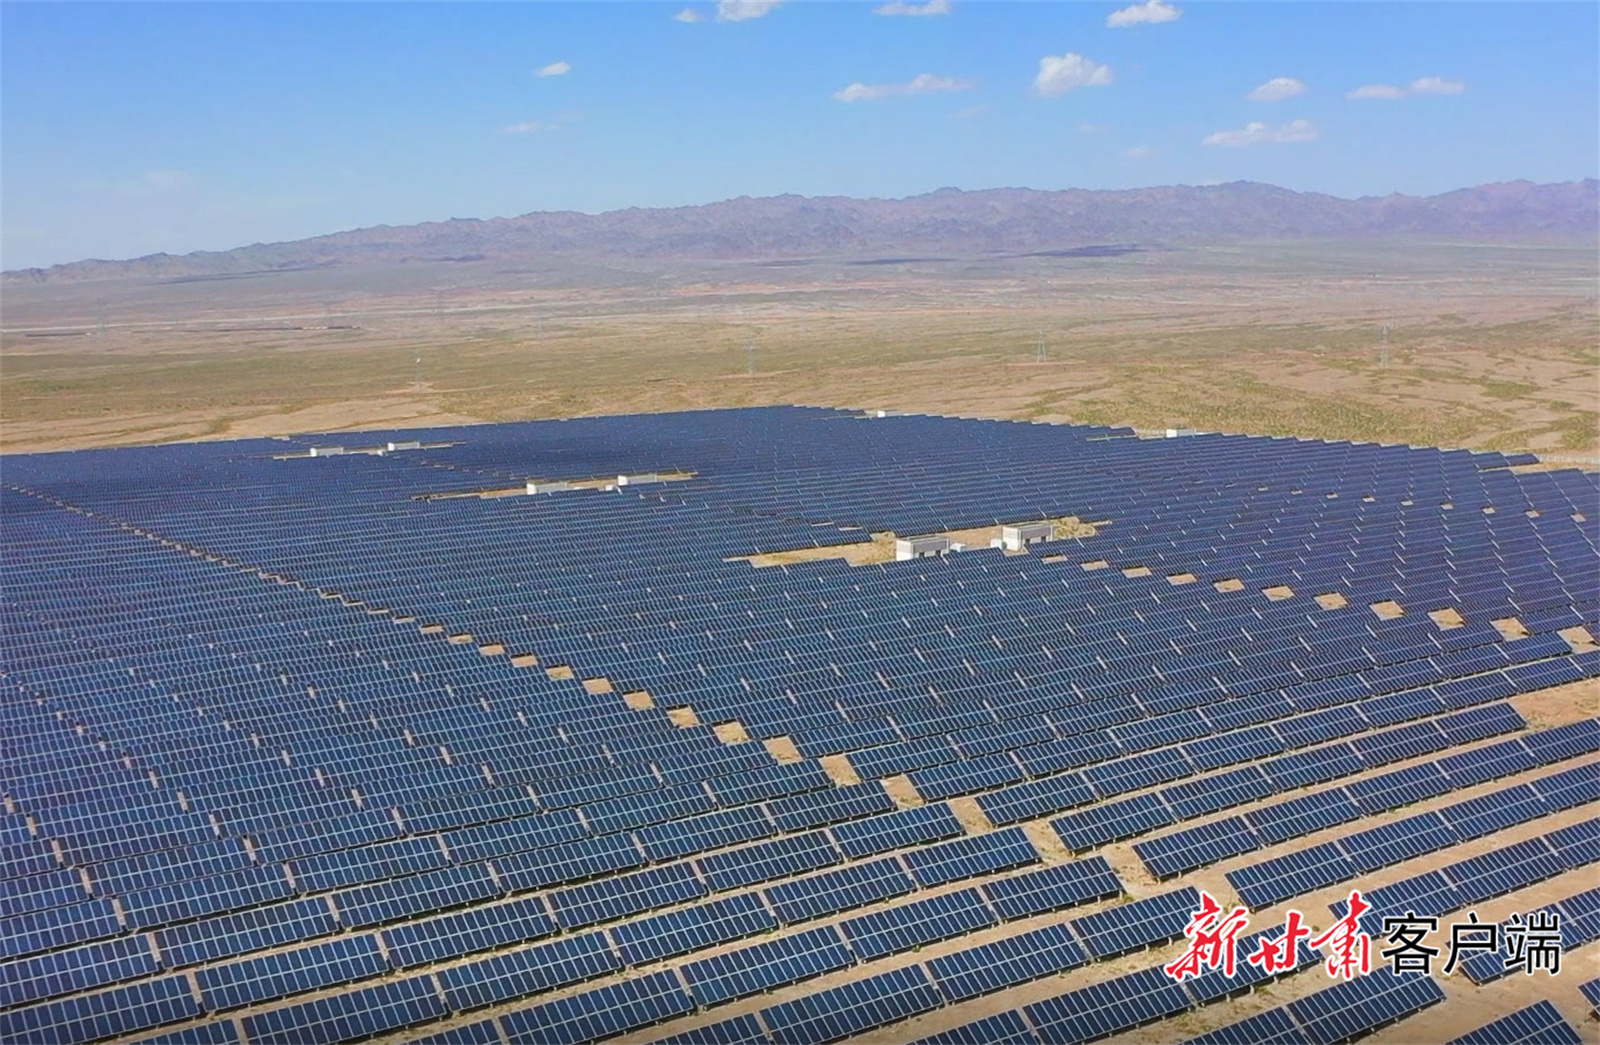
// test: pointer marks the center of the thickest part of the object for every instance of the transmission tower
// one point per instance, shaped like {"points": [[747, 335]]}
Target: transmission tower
{"points": [[1383, 349]]}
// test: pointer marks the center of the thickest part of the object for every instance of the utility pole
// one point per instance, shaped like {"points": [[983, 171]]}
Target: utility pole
{"points": [[1042, 355], [750, 353], [1383, 351]]}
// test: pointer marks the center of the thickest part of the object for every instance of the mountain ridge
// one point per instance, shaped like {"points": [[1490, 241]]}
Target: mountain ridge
{"points": [[946, 221]]}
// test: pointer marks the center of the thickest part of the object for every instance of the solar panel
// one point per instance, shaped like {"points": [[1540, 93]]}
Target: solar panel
{"points": [[820, 808], [1570, 787], [698, 834], [1538, 1024], [1359, 1006], [970, 857], [691, 928], [1014, 959], [1563, 742], [1301, 816], [1576, 845], [418, 894], [244, 931], [321, 690], [1506, 869], [1591, 994], [1196, 847], [763, 966], [1400, 840], [343, 1017], [602, 1012], [1495, 811], [1108, 1007], [107, 1014], [475, 929], [1215, 984], [1105, 822], [897, 830], [1035, 798], [1399, 787], [766, 861], [283, 973], [1270, 882], [852, 1008], [76, 969], [570, 862], [840, 890], [1137, 924], [1052, 888], [913, 924], [1486, 763], [1211, 794], [519, 973]]}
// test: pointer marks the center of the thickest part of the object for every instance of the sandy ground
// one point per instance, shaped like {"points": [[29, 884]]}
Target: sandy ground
{"points": [[1489, 347]]}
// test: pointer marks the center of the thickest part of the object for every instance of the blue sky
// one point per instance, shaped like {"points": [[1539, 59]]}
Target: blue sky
{"points": [[129, 129]]}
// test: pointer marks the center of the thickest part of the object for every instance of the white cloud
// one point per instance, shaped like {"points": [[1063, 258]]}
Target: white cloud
{"points": [[926, 83], [688, 14], [527, 128], [1388, 92], [1092, 128], [744, 10], [1277, 89], [1139, 152], [971, 112], [1151, 12], [900, 7], [1256, 133], [1059, 74], [1437, 85], [555, 69], [1376, 92]]}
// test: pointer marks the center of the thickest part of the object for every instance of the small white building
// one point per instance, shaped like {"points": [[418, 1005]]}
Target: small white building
{"points": [[538, 487], [919, 547], [638, 480], [410, 445], [327, 451], [1015, 538]]}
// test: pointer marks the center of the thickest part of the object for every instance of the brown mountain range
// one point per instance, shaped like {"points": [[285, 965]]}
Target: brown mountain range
{"points": [[948, 222]]}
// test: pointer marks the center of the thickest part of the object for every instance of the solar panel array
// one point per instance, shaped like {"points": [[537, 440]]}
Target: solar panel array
{"points": [[326, 748]]}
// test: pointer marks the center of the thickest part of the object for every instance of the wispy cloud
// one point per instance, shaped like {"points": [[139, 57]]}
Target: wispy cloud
{"points": [[688, 14], [1256, 133], [1377, 92], [1437, 85], [1386, 92], [926, 83], [971, 112], [1059, 74], [744, 10], [900, 7], [1093, 128], [530, 127], [1277, 89], [1139, 152], [1151, 12], [554, 69]]}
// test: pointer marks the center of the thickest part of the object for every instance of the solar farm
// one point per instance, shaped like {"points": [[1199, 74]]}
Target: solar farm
{"points": [[506, 734]]}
